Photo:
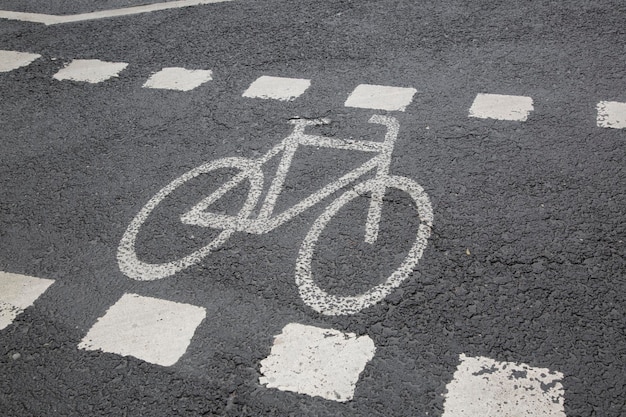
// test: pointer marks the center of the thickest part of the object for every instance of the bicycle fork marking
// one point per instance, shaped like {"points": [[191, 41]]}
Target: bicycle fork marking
{"points": [[266, 221]]}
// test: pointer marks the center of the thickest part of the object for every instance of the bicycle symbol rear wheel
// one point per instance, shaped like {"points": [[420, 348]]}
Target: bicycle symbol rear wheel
{"points": [[128, 261], [334, 305]]}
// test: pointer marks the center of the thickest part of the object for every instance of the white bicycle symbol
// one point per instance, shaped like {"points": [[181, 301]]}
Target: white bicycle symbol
{"points": [[266, 220]]}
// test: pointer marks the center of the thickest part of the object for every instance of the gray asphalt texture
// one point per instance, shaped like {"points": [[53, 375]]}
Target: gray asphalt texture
{"points": [[527, 257]]}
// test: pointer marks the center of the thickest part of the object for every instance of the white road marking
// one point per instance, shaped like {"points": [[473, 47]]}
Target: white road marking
{"points": [[50, 19], [278, 88], [251, 170], [179, 79], [611, 114], [90, 70], [380, 97], [17, 292], [501, 107], [317, 362], [333, 305], [482, 387], [127, 259], [154, 330], [10, 60]]}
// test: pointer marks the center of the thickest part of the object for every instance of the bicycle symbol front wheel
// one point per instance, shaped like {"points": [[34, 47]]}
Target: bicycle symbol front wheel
{"points": [[334, 305]]}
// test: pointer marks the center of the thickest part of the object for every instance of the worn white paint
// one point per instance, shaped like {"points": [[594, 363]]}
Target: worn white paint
{"points": [[501, 107], [317, 362], [483, 387], [329, 304], [267, 220], [154, 330], [17, 292], [277, 88], [90, 70], [10, 60], [380, 97], [127, 258], [611, 114], [49, 19], [179, 79]]}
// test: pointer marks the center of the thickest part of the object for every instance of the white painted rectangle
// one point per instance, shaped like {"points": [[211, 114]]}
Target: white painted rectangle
{"points": [[154, 330], [90, 70], [10, 60], [277, 88], [380, 97], [483, 387], [611, 114], [317, 362], [179, 79], [18, 292], [501, 107]]}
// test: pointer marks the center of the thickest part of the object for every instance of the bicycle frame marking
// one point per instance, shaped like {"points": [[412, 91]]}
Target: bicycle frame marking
{"points": [[265, 221]]}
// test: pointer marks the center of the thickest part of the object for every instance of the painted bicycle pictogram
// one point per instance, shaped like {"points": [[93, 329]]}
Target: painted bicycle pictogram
{"points": [[266, 220]]}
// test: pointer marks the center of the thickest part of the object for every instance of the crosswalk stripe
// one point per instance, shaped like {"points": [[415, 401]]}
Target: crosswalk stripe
{"points": [[18, 292], [10, 60], [90, 70], [277, 88], [179, 79], [501, 107], [154, 330], [483, 387], [380, 97], [316, 362], [611, 114]]}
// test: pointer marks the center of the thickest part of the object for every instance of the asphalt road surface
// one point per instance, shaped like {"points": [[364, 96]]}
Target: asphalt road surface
{"points": [[165, 253]]}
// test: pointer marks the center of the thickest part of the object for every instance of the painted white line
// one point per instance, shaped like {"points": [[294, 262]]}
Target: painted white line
{"points": [[17, 292], [501, 107], [151, 329], [611, 114], [90, 70], [278, 88], [49, 19], [380, 97], [317, 362], [179, 79], [482, 387], [10, 60]]}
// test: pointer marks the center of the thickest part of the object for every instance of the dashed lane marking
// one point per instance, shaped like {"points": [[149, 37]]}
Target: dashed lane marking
{"points": [[10, 60], [483, 387], [316, 362], [611, 114], [50, 19], [303, 359], [179, 79], [278, 88], [18, 292], [501, 107], [154, 330], [380, 97], [90, 70]]}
